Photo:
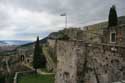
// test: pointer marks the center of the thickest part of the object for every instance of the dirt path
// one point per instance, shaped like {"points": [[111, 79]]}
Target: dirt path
{"points": [[38, 70], [7, 65]]}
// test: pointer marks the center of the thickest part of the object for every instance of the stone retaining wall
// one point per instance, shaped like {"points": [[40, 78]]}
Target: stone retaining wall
{"points": [[80, 62]]}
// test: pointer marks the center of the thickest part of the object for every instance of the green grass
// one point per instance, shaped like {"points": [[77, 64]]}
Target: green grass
{"points": [[36, 78], [45, 70]]}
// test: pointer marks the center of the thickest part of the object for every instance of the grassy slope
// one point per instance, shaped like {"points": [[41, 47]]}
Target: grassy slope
{"points": [[36, 78]]}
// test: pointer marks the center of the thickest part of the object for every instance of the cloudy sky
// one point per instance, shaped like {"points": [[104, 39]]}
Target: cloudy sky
{"points": [[25, 19]]}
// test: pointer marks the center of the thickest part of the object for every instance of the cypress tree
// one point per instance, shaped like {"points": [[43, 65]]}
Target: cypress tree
{"points": [[39, 60], [113, 19], [2, 78]]}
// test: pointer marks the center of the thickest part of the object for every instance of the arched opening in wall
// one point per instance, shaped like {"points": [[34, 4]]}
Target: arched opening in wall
{"points": [[22, 58]]}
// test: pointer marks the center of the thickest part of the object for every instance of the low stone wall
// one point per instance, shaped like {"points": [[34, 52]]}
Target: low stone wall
{"points": [[80, 62], [19, 74]]}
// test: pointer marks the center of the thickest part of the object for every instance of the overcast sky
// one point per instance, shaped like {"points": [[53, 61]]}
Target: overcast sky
{"points": [[25, 19]]}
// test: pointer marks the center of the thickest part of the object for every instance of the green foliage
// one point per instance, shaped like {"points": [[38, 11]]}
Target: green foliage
{"points": [[39, 60], [63, 37], [2, 79], [59, 35], [113, 19], [36, 78]]}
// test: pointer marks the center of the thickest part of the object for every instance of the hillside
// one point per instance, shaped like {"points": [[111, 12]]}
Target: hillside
{"points": [[13, 42], [9, 46]]}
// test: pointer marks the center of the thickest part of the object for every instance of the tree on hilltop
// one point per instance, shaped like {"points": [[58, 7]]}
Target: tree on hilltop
{"points": [[112, 19]]}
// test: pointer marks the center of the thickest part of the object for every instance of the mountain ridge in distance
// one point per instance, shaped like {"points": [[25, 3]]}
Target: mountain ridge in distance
{"points": [[13, 42]]}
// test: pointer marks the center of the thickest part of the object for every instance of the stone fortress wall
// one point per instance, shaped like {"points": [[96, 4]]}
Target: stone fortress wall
{"points": [[81, 62]]}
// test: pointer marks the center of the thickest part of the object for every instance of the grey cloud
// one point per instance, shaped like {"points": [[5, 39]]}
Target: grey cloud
{"points": [[4, 19], [79, 12], [36, 5], [75, 8]]}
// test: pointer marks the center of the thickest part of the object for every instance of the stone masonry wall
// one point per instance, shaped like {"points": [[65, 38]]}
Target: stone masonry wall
{"points": [[80, 62]]}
